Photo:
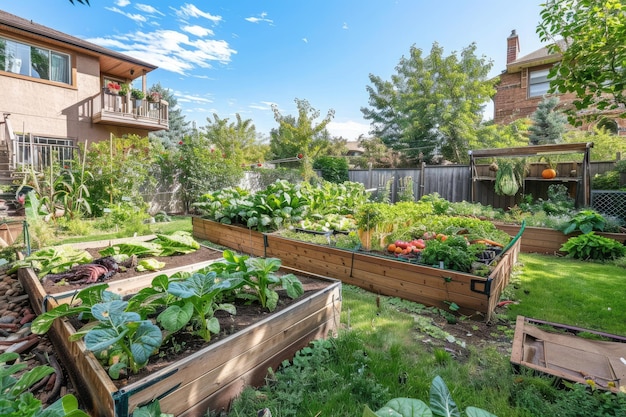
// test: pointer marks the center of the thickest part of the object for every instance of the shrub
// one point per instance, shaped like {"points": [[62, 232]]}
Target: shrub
{"points": [[593, 247], [333, 169], [584, 221]]}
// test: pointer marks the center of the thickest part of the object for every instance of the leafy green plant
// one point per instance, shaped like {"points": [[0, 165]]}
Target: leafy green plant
{"points": [[590, 246], [455, 253], [17, 401], [122, 334], [259, 278], [198, 300], [584, 221], [406, 189], [112, 333], [441, 405]]}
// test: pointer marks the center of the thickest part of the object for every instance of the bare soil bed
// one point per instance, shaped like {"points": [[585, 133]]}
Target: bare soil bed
{"points": [[200, 255]]}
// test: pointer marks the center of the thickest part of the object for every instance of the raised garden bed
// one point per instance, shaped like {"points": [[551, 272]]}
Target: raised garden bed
{"points": [[388, 276], [548, 241], [130, 281], [210, 377]]}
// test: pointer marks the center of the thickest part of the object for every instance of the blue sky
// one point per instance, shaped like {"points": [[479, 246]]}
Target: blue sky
{"points": [[232, 56]]}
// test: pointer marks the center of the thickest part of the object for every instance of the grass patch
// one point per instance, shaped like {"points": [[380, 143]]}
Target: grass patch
{"points": [[572, 292]]}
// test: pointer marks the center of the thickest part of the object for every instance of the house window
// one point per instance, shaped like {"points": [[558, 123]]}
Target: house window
{"points": [[33, 61], [538, 83]]}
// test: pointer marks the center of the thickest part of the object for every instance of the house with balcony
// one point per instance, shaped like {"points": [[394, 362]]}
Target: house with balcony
{"points": [[525, 82], [56, 95]]}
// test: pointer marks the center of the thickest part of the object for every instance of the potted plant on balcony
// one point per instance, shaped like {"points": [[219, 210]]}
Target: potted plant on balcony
{"points": [[137, 94], [124, 89], [153, 96], [114, 88]]}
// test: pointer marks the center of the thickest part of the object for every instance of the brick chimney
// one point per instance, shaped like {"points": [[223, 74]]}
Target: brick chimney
{"points": [[512, 47]]}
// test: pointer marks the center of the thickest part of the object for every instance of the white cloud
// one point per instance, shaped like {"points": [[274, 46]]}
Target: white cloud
{"points": [[198, 30], [122, 3], [189, 10], [262, 18], [350, 130], [170, 50], [305, 40], [345, 26], [148, 9], [136, 17]]}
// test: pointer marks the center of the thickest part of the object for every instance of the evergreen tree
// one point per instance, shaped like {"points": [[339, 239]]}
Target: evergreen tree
{"points": [[548, 123], [178, 126]]}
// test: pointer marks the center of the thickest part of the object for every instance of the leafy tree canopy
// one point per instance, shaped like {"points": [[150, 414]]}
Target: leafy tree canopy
{"points": [[301, 135], [433, 105], [591, 37]]}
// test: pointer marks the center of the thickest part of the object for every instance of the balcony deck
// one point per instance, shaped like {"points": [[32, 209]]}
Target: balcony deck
{"points": [[118, 110]]}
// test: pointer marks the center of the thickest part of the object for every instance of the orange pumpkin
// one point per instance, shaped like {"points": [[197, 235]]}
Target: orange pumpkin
{"points": [[548, 173]]}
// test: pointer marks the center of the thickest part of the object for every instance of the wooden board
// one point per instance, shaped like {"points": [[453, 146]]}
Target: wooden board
{"points": [[549, 241], [209, 377], [241, 239], [316, 259], [556, 349]]}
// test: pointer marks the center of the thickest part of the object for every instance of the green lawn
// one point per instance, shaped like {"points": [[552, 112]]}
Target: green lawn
{"points": [[568, 291]]}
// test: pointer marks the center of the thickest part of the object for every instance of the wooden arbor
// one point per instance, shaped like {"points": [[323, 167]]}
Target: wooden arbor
{"points": [[579, 176]]}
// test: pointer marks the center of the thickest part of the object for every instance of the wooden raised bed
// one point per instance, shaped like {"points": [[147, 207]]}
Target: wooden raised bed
{"points": [[241, 239], [387, 276], [549, 241], [209, 378], [123, 287]]}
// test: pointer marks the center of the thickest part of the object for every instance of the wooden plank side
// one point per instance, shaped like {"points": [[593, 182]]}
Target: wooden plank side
{"points": [[441, 279], [317, 259], [270, 349], [221, 400], [238, 238], [84, 369], [549, 241], [469, 303]]}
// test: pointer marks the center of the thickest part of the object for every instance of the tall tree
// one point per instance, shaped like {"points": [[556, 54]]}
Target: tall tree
{"points": [[178, 126], [548, 123], [236, 141], [432, 105], [302, 135], [590, 36]]}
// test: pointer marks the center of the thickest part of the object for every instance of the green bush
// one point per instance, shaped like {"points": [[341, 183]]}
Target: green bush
{"points": [[607, 181], [333, 169], [585, 221], [590, 246]]}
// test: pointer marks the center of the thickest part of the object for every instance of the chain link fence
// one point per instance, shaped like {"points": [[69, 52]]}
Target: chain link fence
{"points": [[611, 203]]}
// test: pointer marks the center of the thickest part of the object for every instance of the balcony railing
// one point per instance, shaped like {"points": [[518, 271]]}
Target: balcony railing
{"points": [[113, 109]]}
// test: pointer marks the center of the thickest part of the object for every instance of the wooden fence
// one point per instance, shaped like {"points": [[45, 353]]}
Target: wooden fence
{"points": [[452, 182]]}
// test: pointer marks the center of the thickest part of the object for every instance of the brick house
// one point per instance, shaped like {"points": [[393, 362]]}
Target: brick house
{"points": [[55, 95], [525, 81]]}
